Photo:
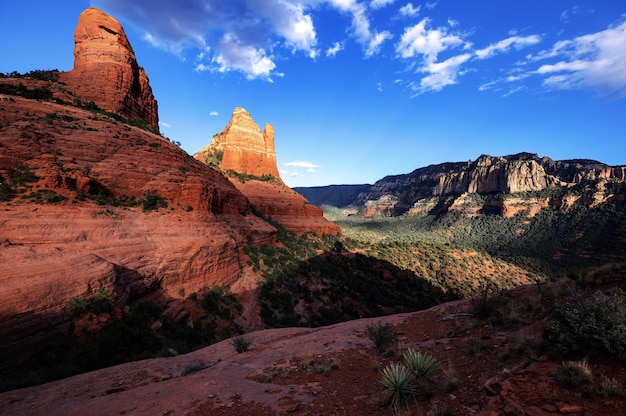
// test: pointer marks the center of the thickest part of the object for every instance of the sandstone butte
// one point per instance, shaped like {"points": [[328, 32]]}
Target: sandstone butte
{"points": [[106, 70], [243, 149], [57, 243]]}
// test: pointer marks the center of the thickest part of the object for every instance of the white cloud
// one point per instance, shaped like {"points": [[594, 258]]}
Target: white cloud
{"points": [[422, 45], [409, 11], [421, 40], [596, 61], [236, 55], [505, 45], [332, 51], [310, 167], [443, 73], [214, 113], [376, 43], [164, 124], [379, 4], [431, 5], [291, 22]]}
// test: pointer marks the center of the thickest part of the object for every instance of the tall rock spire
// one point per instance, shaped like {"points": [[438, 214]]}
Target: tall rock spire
{"points": [[106, 70], [245, 149]]}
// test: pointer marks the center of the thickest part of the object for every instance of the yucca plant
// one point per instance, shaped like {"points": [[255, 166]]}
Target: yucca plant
{"points": [[399, 384], [421, 365]]}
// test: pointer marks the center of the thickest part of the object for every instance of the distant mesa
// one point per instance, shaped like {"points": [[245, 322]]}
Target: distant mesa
{"points": [[106, 70]]}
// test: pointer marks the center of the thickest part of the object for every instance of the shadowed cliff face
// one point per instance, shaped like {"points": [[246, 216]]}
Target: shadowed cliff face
{"points": [[106, 69]]}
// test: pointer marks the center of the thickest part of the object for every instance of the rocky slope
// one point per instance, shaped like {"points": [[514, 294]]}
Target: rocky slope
{"points": [[92, 205], [106, 70], [82, 213], [248, 158], [435, 188], [488, 369]]}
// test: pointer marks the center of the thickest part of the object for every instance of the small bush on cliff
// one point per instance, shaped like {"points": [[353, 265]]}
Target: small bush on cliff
{"points": [[592, 325], [99, 303], [383, 335], [241, 343], [153, 201], [6, 191]]}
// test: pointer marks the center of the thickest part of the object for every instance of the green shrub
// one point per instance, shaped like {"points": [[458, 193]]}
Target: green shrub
{"points": [[609, 387], [399, 385], [6, 191], [99, 303], [241, 343], [153, 201], [383, 335], [573, 373], [421, 365], [21, 174], [594, 325]]}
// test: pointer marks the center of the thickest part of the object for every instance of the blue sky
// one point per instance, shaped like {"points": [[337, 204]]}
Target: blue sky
{"points": [[360, 89]]}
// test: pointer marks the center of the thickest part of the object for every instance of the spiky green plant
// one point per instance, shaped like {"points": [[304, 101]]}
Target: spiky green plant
{"points": [[421, 365], [399, 384]]}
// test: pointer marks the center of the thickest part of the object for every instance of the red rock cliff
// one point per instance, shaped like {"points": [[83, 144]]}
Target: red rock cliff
{"points": [[242, 148], [245, 149], [106, 70]]}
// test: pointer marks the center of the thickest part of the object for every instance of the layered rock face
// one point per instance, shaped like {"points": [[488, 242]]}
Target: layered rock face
{"points": [[76, 218], [242, 148], [245, 149], [496, 179], [106, 70]]}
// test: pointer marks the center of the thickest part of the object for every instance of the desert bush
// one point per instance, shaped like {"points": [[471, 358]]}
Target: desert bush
{"points": [[241, 343], [609, 387], [99, 303], [399, 385], [382, 335], [153, 201], [22, 174], [589, 325], [573, 373]]}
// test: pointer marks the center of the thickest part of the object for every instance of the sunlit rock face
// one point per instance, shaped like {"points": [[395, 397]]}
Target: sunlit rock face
{"points": [[106, 70], [246, 149], [243, 149]]}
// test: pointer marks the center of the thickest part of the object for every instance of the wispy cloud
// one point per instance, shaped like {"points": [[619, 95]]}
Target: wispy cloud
{"points": [[421, 45], [164, 124], [310, 167], [332, 51], [443, 73], [409, 11], [379, 4], [596, 61], [214, 113], [505, 45]]}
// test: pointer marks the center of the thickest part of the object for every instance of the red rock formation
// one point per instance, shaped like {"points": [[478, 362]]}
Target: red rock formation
{"points": [[245, 148], [242, 148], [286, 206], [106, 70], [59, 251]]}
